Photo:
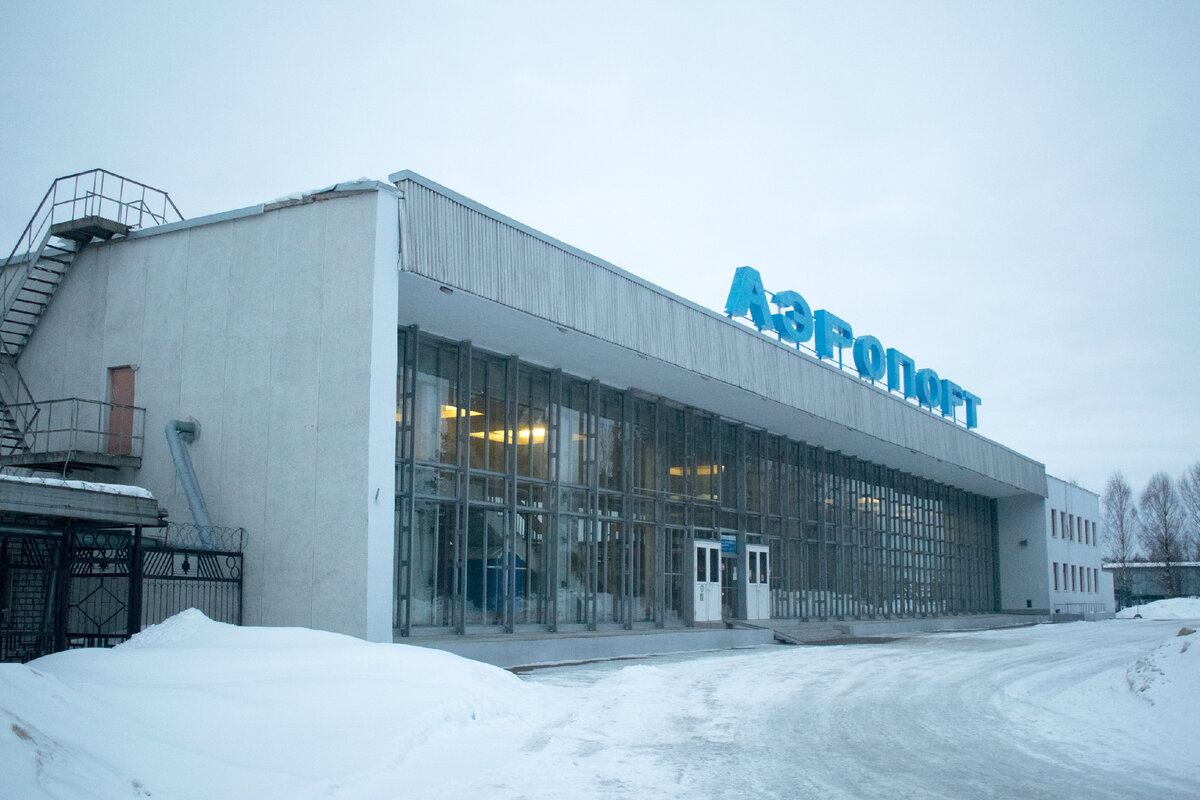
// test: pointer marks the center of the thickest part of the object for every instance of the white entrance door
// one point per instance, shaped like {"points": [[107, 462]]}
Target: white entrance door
{"points": [[758, 575], [708, 582]]}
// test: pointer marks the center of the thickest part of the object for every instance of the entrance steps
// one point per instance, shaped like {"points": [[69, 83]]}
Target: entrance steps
{"points": [[536, 648], [514, 650], [848, 631]]}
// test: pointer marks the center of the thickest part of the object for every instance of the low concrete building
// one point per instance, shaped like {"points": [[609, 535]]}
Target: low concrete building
{"points": [[433, 420], [1141, 582]]}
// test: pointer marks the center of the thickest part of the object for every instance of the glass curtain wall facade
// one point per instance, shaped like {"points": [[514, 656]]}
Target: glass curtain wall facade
{"points": [[531, 499]]}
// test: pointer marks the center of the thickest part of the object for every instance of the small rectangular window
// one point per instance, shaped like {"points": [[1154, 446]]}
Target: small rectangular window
{"points": [[752, 563], [1074, 581], [1053, 524], [1055, 576], [701, 562]]}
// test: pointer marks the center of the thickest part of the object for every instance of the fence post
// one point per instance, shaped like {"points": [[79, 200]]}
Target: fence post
{"points": [[135, 582], [62, 592]]}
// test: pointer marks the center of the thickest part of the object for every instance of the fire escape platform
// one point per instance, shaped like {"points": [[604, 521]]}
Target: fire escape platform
{"points": [[27, 500], [69, 460], [70, 433], [85, 229]]}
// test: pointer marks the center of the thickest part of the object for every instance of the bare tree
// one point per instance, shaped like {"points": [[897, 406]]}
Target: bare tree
{"points": [[1120, 530], [1161, 518], [1189, 496]]}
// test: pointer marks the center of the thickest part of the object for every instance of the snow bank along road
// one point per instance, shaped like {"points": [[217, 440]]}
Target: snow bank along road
{"points": [[193, 708]]}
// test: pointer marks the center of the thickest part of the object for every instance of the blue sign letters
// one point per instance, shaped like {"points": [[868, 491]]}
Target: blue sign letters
{"points": [[796, 323]]}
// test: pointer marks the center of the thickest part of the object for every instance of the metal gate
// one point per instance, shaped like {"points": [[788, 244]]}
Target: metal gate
{"points": [[29, 567], [102, 589], [175, 579], [97, 588]]}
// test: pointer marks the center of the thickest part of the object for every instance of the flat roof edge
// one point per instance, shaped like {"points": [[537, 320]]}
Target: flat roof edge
{"points": [[344, 188]]}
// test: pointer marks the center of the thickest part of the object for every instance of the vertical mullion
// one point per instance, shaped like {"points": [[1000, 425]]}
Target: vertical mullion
{"points": [[662, 481], [462, 504], [408, 451], [739, 583], [626, 551], [508, 571], [552, 544], [593, 503]]}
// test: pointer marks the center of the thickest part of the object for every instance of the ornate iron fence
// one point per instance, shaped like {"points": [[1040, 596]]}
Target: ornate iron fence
{"points": [[178, 575], [114, 586], [28, 573]]}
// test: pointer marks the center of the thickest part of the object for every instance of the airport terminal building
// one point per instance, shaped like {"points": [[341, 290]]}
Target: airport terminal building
{"points": [[432, 419]]}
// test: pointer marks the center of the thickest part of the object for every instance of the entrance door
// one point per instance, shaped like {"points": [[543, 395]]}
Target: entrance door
{"points": [[120, 416], [758, 588], [708, 582]]}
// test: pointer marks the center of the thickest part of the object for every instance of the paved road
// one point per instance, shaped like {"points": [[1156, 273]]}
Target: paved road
{"points": [[1037, 712]]}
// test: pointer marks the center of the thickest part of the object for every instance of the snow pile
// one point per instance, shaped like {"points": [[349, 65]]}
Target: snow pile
{"points": [[1175, 608], [196, 708], [1170, 675]]}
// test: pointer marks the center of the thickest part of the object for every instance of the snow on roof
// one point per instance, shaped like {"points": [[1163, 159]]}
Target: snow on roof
{"points": [[295, 197], [89, 486]]}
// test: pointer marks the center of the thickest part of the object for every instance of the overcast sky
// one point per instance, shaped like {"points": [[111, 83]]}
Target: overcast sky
{"points": [[1007, 192]]}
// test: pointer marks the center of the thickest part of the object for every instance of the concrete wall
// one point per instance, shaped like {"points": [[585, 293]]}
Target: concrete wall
{"points": [[1024, 571], [277, 331]]}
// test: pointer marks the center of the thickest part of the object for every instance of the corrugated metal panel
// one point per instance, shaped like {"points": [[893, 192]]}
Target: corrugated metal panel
{"points": [[465, 246]]}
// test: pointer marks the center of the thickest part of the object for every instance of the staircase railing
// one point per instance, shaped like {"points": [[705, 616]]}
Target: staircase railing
{"points": [[74, 425], [96, 193], [22, 414]]}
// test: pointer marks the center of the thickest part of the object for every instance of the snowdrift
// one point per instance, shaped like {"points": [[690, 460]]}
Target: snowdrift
{"points": [[1175, 608], [193, 708], [214, 710]]}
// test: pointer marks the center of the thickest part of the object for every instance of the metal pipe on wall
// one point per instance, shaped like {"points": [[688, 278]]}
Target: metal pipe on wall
{"points": [[178, 432]]}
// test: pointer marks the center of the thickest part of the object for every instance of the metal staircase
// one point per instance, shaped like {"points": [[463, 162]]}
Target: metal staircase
{"points": [[76, 210]]}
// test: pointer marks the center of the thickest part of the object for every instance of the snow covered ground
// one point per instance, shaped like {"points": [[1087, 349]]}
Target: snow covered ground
{"points": [[195, 709]]}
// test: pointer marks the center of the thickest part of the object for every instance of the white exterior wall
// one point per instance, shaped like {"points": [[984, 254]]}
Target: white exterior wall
{"points": [[1024, 582], [1072, 550], [277, 332]]}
